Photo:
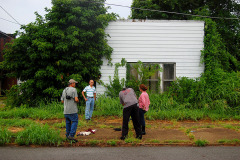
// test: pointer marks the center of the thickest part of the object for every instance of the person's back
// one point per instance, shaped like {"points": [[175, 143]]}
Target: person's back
{"points": [[70, 105], [129, 100], [128, 97]]}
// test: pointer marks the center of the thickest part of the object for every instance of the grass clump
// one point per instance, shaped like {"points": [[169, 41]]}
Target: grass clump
{"points": [[39, 135], [5, 136], [112, 142], [176, 141], [153, 141], [227, 141], [93, 142], [201, 143]]}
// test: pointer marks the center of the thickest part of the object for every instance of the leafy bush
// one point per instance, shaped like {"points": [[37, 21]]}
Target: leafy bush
{"points": [[39, 135]]}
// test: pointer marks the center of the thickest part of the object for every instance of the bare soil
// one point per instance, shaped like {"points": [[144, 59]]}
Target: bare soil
{"points": [[163, 130]]}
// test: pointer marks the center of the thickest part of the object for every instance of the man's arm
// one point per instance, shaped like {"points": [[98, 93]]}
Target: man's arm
{"points": [[84, 96], [120, 97], [94, 96]]}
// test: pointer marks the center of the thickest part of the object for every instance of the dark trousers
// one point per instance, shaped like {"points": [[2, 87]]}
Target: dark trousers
{"points": [[141, 115], [132, 111]]}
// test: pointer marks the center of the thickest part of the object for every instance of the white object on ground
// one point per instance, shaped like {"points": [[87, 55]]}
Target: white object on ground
{"points": [[85, 133]]}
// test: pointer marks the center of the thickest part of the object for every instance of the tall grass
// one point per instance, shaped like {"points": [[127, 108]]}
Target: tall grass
{"points": [[16, 122], [106, 106], [50, 111], [39, 135], [165, 107], [5, 136]]}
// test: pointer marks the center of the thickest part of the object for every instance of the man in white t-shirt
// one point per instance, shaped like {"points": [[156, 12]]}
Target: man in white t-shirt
{"points": [[90, 99]]}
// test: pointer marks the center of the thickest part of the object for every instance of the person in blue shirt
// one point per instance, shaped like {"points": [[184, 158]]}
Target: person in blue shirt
{"points": [[90, 99]]}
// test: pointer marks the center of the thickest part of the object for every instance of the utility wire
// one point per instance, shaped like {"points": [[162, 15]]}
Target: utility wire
{"points": [[154, 10], [10, 15], [9, 21]]}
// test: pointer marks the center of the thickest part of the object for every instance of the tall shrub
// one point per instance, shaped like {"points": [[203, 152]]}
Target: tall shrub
{"points": [[68, 42]]}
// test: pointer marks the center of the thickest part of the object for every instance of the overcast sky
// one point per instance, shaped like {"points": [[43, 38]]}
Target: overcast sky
{"points": [[23, 11]]}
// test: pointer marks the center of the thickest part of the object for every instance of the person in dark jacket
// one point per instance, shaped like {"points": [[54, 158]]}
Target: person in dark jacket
{"points": [[129, 100]]}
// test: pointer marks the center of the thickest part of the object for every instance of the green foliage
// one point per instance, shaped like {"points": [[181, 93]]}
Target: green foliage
{"points": [[68, 42], [39, 135], [16, 122], [201, 143], [92, 142], [165, 107], [5, 136], [108, 106], [49, 111], [226, 141], [115, 85], [112, 142], [144, 71]]}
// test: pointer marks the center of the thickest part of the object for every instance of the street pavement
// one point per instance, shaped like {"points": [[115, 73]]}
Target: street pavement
{"points": [[121, 153]]}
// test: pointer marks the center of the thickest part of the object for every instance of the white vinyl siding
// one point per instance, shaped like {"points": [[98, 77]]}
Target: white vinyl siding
{"points": [[155, 41]]}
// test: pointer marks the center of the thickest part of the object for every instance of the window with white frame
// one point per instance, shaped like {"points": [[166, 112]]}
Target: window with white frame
{"points": [[160, 81]]}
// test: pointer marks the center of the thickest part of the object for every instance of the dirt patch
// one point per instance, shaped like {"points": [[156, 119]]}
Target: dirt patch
{"points": [[50, 121], [165, 134], [102, 134], [212, 135], [15, 129]]}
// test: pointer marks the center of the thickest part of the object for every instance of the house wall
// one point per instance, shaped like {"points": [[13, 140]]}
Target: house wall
{"points": [[157, 41], [5, 83]]}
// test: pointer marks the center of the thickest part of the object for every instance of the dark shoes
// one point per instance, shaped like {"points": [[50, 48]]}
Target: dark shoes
{"points": [[123, 137], [139, 136], [72, 139]]}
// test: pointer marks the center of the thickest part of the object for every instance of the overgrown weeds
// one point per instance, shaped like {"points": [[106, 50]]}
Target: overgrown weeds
{"points": [[39, 135], [5, 136]]}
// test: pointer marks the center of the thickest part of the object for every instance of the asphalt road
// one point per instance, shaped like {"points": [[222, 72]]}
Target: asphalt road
{"points": [[120, 153]]}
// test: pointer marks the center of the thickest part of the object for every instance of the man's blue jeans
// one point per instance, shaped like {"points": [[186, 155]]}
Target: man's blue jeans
{"points": [[89, 108], [71, 124]]}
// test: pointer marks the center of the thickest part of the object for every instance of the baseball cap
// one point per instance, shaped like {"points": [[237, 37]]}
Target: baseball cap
{"points": [[72, 81]]}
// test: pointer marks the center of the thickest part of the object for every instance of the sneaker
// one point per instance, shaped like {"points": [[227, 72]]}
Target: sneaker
{"points": [[72, 139]]}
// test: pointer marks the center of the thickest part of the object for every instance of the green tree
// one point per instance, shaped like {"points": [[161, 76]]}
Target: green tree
{"points": [[228, 29], [68, 42]]}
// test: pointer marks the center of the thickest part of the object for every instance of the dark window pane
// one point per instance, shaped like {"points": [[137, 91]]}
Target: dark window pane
{"points": [[168, 71], [153, 86], [133, 72], [166, 84]]}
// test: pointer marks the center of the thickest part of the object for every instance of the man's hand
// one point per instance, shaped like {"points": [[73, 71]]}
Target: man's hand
{"points": [[76, 99], [85, 98]]}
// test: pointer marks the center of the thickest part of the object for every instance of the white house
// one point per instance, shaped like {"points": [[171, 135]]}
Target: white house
{"points": [[176, 45]]}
